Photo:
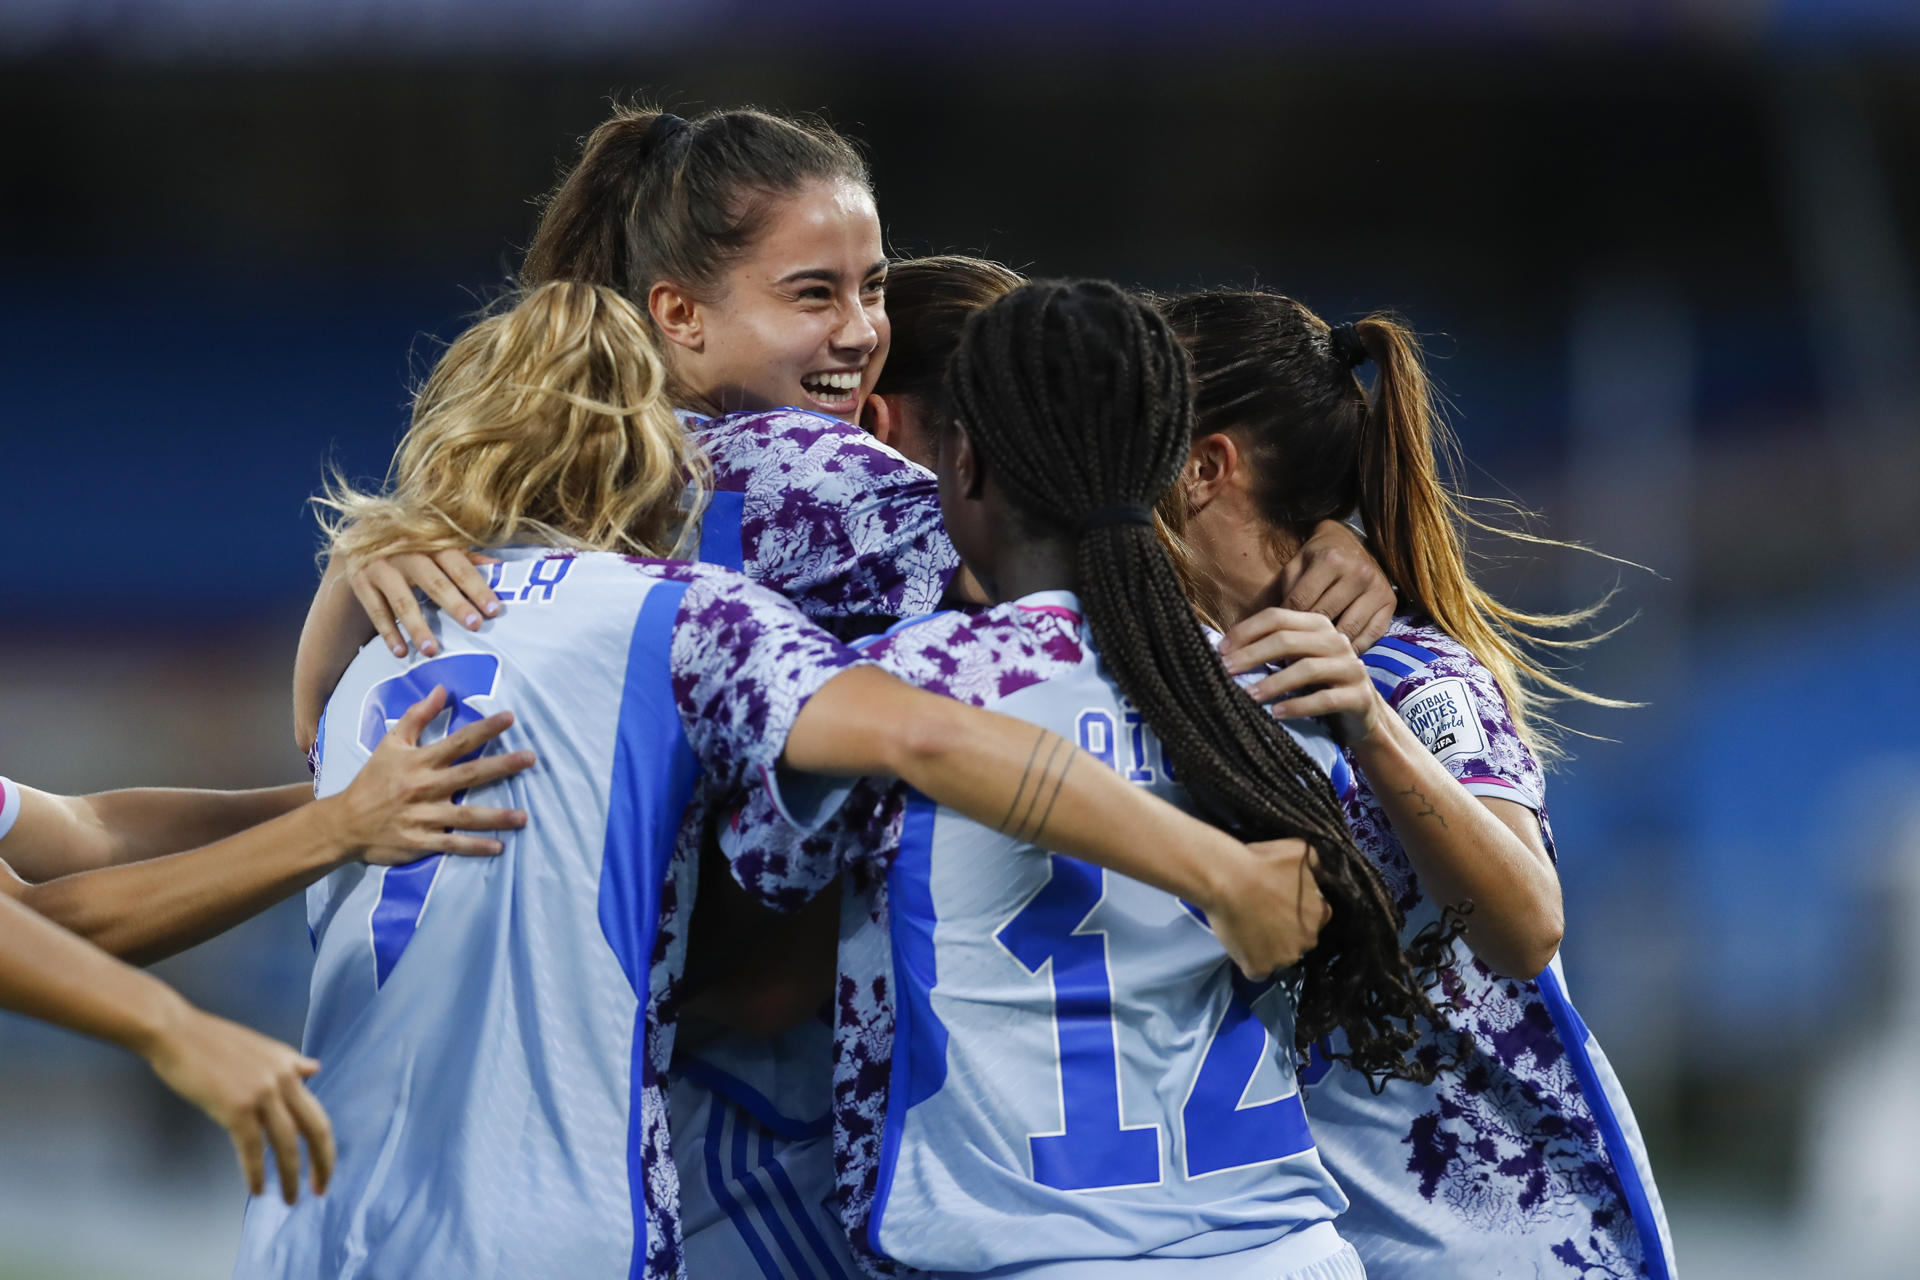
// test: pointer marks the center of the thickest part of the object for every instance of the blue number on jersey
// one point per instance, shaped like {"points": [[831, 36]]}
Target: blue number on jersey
{"points": [[1221, 1132], [1095, 1150], [403, 890]]}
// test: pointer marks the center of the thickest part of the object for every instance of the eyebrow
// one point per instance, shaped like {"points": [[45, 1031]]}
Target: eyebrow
{"points": [[828, 275]]}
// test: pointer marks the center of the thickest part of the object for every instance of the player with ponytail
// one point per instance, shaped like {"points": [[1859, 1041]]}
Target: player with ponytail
{"points": [[1023, 1038], [1523, 1153]]}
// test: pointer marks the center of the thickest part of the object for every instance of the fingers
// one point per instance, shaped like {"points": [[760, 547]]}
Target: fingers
{"points": [[1317, 577], [1370, 632], [469, 739], [478, 773], [1317, 638], [467, 846], [1305, 673], [1267, 622], [286, 1145], [428, 574], [473, 817], [1321, 702], [414, 722], [470, 583], [393, 579], [376, 609], [311, 1119], [252, 1150]]}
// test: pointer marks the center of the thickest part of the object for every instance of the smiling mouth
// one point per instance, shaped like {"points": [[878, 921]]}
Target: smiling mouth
{"points": [[834, 391]]}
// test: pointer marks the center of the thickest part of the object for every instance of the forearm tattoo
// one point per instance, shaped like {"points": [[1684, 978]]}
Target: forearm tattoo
{"points": [[1429, 811], [1040, 786]]}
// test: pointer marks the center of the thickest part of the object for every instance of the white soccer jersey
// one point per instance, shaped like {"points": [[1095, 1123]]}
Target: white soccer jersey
{"points": [[1043, 1068], [491, 1030], [1525, 1160]]}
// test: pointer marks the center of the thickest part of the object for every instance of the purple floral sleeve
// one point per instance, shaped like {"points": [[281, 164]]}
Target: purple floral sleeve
{"points": [[1455, 706], [830, 518], [744, 663], [975, 659]]}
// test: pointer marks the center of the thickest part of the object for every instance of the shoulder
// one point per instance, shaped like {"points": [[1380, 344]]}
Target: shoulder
{"points": [[982, 657], [712, 597], [792, 435], [1415, 654], [1451, 701]]}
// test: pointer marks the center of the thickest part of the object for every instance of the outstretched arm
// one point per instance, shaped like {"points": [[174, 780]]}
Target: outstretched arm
{"points": [[61, 835], [397, 809], [250, 1085], [1031, 784]]}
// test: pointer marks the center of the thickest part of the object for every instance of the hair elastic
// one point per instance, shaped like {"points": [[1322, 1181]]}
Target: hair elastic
{"points": [[1347, 345], [1119, 513], [666, 127]]}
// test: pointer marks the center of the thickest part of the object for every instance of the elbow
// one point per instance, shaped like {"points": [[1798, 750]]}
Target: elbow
{"points": [[917, 745], [1525, 953]]}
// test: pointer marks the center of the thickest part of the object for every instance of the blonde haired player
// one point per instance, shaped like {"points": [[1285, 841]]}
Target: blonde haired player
{"points": [[496, 1033]]}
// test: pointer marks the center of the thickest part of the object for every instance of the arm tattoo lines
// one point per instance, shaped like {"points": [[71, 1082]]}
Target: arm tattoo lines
{"points": [[1047, 779], [1429, 811]]}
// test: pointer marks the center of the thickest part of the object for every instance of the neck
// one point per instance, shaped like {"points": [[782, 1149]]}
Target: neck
{"points": [[1046, 565], [1243, 557]]}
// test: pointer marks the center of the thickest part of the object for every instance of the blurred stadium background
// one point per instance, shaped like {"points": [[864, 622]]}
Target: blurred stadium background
{"points": [[1663, 251]]}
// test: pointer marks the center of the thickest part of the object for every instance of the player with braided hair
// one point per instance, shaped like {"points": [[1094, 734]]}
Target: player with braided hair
{"points": [[1022, 1037], [1076, 446]]}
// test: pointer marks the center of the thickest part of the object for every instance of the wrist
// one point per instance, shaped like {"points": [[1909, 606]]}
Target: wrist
{"points": [[158, 1019], [1221, 872], [1387, 739], [333, 825]]}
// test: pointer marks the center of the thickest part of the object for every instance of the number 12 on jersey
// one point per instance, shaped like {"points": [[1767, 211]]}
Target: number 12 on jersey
{"points": [[1094, 1149]]}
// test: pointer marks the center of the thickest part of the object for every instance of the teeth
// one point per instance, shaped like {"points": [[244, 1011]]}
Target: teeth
{"points": [[832, 381]]}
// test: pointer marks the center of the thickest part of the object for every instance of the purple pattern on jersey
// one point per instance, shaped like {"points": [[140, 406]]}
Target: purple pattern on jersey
{"points": [[977, 659], [831, 519], [743, 663], [974, 658], [1508, 1142]]}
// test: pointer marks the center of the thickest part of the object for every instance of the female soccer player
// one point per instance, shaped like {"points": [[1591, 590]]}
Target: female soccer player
{"points": [[752, 243], [1524, 1156], [496, 1033], [1026, 1040], [100, 866]]}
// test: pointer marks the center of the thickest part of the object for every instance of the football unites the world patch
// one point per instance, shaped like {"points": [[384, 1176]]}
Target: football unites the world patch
{"points": [[1444, 716]]}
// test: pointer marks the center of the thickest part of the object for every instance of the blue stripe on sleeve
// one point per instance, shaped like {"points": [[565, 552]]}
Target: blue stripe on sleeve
{"points": [[720, 540], [653, 775], [1381, 662], [1416, 652], [1573, 1035]]}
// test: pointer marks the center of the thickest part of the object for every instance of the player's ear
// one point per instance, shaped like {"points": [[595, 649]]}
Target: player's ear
{"points": [[677, 315], [969, 476], [881, 420], [1213, 462]]}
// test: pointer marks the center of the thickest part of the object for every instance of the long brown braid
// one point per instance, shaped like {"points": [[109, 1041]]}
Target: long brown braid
{"points": [[1077, 399]]}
